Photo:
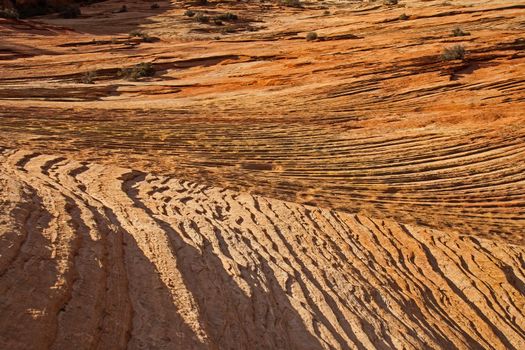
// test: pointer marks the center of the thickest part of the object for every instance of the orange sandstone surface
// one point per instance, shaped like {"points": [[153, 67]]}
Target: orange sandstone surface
{"points": [[257, 190]]}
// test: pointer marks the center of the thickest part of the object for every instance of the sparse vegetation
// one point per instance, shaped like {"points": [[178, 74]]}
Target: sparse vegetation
{"points": [[149, 39], [154, 6], [459, 32], [390, 2], [403, 17], [70, 11], [202, 18], [311, 36], [144, 69], [227, 17], [9, 13], [189, 13], [228, 29], [144, 36], [326, 12], [88, 77], [122, 9], [456, 52], [292, 3], [136, 33]]}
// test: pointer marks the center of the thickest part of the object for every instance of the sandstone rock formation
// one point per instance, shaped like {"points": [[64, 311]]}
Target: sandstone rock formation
{"points": [[102, 257], [261, 191]]}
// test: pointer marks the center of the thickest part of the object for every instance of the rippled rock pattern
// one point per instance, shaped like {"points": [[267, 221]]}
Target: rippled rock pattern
{"points": [[98, 257], [261, 191]]}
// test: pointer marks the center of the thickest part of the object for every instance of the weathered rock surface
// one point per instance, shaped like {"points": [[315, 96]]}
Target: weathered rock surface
{"points": [[101, 257], [353, 192]]}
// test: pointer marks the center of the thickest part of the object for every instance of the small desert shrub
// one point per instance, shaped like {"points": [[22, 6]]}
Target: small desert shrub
{"points": [[154, 6], [311, 36], [459, 32], [9, 13], [144, 69], [144, 36], [189, 13], [149, 39], [326, 12], [390, 2], [201, 2], [88, 77], [122, 9], [403, 17], [456, 52], [217, 22], [292, 3], [136, 34], [228, 30], [70, 11], [202, 18], [227, 17]]}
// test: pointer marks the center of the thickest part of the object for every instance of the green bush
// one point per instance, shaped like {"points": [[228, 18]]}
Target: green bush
{"points": [[9, 13], [144, 69], [292, 3], [227, 17], [456, 52], [311, 36], [202, 18], [88, 77], [459, 32], [228, 30], [144, 36], [136, 34]]}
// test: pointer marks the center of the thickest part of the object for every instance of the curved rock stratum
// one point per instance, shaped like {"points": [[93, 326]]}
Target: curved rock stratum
{"points": [[106, 258], [217, 181]]}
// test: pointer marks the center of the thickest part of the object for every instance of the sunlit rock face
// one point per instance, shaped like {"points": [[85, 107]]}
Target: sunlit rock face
{"points": [[186, 176]]}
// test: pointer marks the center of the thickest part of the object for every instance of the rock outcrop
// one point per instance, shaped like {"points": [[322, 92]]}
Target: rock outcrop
{"points": [[108, 258], [217, 181]]}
